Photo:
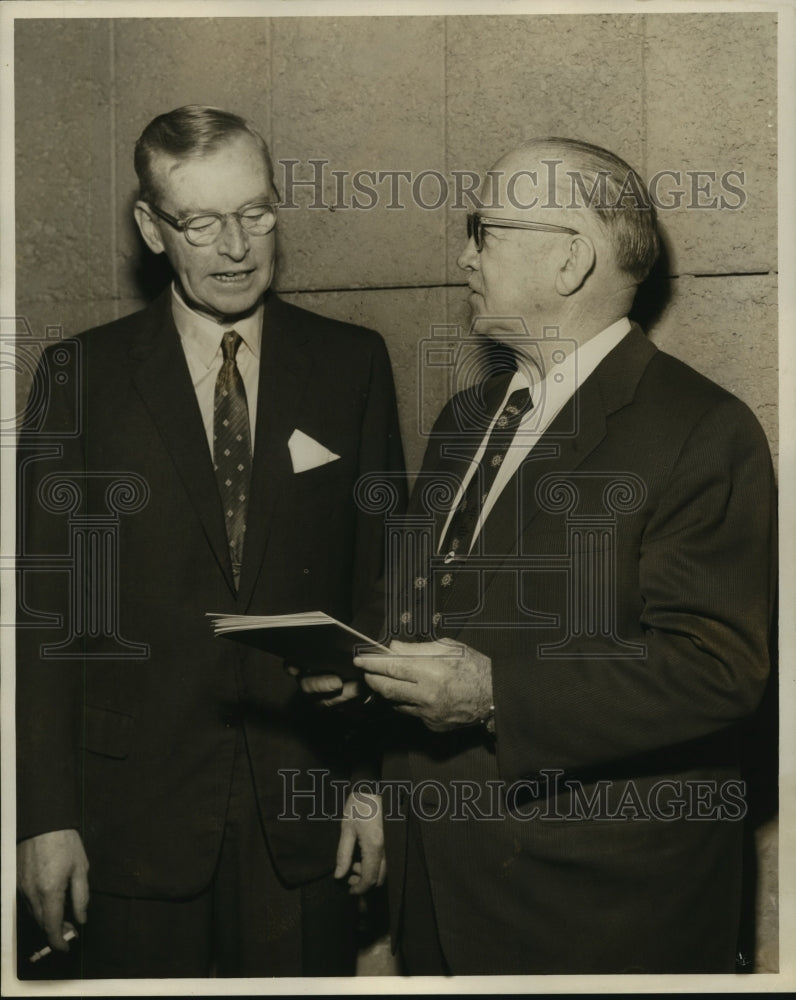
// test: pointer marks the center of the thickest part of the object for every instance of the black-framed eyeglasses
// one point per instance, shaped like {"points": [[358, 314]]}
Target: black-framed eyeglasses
{"points": [[201, 230], [476, 224]]}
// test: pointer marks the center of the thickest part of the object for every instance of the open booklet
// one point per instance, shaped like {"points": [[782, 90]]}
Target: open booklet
{"points": [[311, 640]]}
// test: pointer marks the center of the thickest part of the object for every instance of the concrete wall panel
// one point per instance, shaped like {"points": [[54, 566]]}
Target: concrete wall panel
{"points": [[405, 318], [64, 210], [711, 105], [363, 94], [512, 78], [163, 63], [726, 328]]}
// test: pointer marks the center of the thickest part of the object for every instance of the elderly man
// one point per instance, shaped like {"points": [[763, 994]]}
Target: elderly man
{"points": [[598, 600], [220, 433]]}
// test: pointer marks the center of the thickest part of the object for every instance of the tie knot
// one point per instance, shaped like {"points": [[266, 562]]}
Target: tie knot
{"points": [[230, 345], [518, 403]]}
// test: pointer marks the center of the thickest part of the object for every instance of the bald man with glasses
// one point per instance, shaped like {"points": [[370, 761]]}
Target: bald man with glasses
{"points": [[226, 429], [572, 663]]}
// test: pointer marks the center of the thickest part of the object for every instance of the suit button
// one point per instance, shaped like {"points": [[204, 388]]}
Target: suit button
{"points": [[231, 715]]}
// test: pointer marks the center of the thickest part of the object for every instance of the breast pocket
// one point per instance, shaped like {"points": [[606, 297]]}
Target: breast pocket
{"points": [[326, 486]]}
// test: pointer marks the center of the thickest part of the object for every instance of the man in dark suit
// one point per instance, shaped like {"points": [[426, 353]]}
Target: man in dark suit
{"points": [[564, 787], [198, 456]]}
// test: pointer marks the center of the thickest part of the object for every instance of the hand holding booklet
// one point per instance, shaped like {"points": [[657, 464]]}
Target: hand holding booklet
{"points": [[310, 640]]}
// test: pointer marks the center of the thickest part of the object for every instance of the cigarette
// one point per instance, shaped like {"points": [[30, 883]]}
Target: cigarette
{"points": [[47, 950]]}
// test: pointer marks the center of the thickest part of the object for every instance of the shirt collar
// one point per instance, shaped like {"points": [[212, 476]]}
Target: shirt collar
{"points": [[600, 346], [561, 379], [589, 355], [202, 335]]}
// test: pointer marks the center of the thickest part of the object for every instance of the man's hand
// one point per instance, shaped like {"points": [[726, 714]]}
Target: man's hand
{"points": [[362, 824], [326, 689], [46, 866], [444, 683]]}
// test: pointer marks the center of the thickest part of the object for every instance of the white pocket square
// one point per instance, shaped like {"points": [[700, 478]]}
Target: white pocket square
{"points": [[307, 453]]}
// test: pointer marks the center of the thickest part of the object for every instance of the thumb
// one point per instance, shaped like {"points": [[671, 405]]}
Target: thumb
{"points": [[53, 920], [345, 849], [369, 865], [80, 896]]}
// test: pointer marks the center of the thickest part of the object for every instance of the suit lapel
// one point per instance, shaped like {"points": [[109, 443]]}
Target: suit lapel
{"points": [[557, 452], [161, 377], [285, 367], [459, 438], [611, 386]]}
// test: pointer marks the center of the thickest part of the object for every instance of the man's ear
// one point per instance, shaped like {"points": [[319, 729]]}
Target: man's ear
{"points": [[578, 265], [148, 227]]}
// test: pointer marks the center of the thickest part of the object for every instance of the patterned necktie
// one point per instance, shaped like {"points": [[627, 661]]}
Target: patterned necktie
{"points": [[232, 448], [459, 536]]}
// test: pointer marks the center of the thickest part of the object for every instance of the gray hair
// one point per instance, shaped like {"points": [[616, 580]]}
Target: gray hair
{"points": [[614, 192], [192, 130]]}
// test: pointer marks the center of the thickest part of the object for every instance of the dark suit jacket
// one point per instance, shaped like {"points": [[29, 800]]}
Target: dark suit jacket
{"points": [[133, 745], [625, 603]]}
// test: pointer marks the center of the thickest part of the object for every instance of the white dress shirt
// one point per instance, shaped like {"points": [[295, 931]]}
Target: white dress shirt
{"points": [[553, 377], [201, 338]]}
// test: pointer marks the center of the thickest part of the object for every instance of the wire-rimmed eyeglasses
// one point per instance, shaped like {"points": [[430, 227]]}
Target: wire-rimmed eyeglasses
{"points": [[201, 230]]}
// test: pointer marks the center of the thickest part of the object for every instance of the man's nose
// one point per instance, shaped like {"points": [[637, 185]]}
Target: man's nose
{"points": [[468, 259], [233, 241]]}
